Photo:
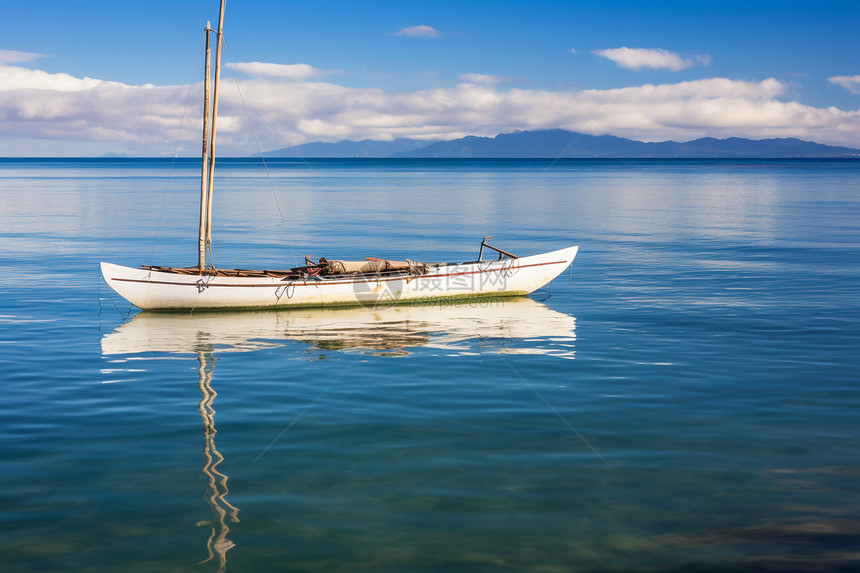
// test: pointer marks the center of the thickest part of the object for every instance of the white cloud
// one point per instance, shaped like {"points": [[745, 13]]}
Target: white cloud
{"points": [[68, 114], [15, 57], [486, 79], [63, 111], [418, 32], [717, 107], [15, 78], [637, 58], [296, 72], [850, 83]]}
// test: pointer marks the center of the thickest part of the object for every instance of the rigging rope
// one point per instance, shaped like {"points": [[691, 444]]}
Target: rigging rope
{"points": [[260, 151], [176, 149], [323, 179]]}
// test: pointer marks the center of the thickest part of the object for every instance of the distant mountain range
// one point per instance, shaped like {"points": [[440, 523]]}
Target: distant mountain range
{"points": [[557, 143], [365, 148]]}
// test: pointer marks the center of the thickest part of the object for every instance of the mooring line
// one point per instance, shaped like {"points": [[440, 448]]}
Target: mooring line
{"points": [[125, 317]]}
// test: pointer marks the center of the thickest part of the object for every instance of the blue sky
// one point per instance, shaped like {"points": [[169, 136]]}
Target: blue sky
{"points": [[94, 77]]}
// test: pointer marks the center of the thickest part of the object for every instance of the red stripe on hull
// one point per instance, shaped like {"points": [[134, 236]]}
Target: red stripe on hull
{"points": [[326, 283]]}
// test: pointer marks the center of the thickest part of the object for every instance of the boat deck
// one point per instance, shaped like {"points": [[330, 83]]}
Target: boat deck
{"points": [[293, 273]]}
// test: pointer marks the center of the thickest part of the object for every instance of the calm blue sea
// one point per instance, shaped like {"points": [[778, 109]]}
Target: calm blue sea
{"points": [[686, 398]]}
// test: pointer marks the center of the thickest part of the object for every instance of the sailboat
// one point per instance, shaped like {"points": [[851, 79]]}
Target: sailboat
{"points": [[372, 282]]}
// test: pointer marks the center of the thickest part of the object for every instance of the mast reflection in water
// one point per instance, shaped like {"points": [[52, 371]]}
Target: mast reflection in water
{"points": [[217, 487], [500, 326]]}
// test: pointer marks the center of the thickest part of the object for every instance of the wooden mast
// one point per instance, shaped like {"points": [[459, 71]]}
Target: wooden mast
{"points": [[204, 176], [212, 134]]}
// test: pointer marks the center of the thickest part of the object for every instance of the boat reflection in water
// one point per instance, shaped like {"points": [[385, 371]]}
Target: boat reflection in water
{"points": [[510, 326], [501, 325]]}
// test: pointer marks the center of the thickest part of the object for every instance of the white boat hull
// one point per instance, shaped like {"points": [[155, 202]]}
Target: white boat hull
{"points": [[156, 290]]}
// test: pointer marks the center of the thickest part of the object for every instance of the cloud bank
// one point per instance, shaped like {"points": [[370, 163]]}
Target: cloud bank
{"points": [[57, 114], [637, 58]]}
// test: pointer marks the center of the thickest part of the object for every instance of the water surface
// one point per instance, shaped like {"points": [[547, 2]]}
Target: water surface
{"points": [[685, 399]]}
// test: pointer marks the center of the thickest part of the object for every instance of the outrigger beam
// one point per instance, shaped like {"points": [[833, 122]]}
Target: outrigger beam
{"points": [[500, 251]]}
